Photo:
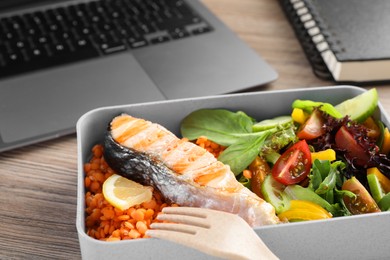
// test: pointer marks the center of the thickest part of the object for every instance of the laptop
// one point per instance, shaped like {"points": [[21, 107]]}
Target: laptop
{"points": [[60, 59]]}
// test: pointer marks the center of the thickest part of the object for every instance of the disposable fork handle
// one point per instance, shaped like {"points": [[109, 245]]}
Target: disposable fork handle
{"points": [[263, 251], [216, 233]]}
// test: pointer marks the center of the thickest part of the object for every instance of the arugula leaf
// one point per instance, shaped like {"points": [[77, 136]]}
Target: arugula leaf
{"points": [[320, 170], [339, 194], [342, 193], [329, 182], [326, 175], [315, 178], [244, 181], [325, 180]]}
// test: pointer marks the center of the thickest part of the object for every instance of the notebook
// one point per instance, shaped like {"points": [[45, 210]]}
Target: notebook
{"points": [[60, 59], [347, 41]]}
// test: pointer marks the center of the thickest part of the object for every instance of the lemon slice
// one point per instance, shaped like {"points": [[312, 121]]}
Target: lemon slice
{"points": [[123, 193]]}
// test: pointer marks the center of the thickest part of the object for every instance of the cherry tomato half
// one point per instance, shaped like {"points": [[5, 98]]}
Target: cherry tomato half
{"points": [[260, 169], [293, 165], [312, 128], [363, 202], [345, 140]]}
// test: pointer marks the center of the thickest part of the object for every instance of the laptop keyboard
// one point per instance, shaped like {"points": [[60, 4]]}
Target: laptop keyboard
{"points": [[61, 35]]}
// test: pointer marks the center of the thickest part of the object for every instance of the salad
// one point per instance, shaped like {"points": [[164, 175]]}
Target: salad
{"points": [[319, 161]]}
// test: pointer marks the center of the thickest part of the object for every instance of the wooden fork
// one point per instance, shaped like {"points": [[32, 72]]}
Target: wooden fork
{"points": [[213, 232]]}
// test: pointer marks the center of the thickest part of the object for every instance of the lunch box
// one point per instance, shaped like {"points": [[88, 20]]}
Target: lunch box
{"points": [[353, 237]]}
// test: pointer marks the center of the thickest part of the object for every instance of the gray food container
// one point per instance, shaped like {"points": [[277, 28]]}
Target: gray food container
{"points": [[356, 237]]}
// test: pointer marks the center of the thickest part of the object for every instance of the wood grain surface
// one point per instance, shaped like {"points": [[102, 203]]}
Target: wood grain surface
{"points": [[38, 183]]}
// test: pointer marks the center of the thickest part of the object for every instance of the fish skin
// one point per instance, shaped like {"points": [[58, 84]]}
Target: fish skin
{"points": [[149, 170]]}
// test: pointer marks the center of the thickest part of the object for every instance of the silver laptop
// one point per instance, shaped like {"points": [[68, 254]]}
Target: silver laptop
{"points": [[59, 59]]}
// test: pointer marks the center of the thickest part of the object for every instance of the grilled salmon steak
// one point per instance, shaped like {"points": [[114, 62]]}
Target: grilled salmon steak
{"points": [[183, 172]]}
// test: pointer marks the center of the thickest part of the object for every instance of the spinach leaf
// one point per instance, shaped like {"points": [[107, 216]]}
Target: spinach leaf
{"points": [[218, 125], [240, 154]]}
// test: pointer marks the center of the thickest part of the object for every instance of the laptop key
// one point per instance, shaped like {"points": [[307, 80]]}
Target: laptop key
{"points": [[178, 33], [200, 30], [82, 43], [14, 59], [37, 53], [159, 39], [136, 42], [18, 44], [112, 47]]}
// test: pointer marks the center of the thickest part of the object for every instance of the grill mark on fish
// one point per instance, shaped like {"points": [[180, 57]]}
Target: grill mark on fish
{"points": [[173, 168]]}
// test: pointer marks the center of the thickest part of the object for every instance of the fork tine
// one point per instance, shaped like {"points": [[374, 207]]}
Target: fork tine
{"points": [[191, 211], [175, 227], [184, 219], [168, 235]]}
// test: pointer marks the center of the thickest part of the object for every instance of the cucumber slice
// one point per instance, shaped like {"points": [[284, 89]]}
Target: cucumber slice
{"points": [[360, 107], [273, 193], [271, 123]]}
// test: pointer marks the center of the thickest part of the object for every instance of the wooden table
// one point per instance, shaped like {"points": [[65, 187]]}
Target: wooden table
{"points": [[38, 182]]}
